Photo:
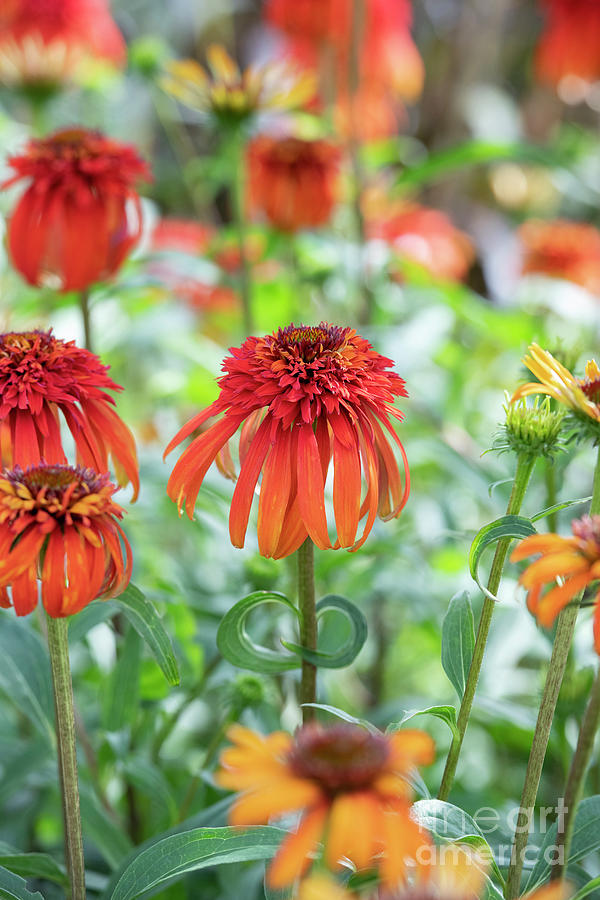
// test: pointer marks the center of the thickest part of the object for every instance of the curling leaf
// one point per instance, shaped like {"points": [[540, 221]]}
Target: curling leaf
{"points": [[505, 527]]}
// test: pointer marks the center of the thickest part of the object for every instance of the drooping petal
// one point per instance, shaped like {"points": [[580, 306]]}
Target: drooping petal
{"points": [[346, 480], [278, 797], [293, 857], [53, 575], [274, 492], [549, 567], [550, 604], [243, 495], [353, 829], [311, 500]]}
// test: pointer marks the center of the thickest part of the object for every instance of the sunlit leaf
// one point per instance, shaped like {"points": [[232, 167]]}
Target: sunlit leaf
{"points": [[458, 641]]}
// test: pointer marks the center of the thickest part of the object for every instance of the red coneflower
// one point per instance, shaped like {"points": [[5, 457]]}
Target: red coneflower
{"points": [[304, 395], [79, 216], [41, 375], [562, 249], [59, 524], [45, 42], [350, 784], [570, 43], [292, 181]]}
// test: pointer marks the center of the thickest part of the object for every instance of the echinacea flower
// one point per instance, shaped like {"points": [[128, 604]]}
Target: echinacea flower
{"points": [[303, 395], [59, 524], [350, 784], [575, 560], [569, 47], [562, 249], [44, 45], [580, 395], [232, 95], [425, 236], [40, 376], [79, 216], [292, 180]]}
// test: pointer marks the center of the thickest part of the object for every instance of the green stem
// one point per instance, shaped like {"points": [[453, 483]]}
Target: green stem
{"points": [[550, 478], [554, 677], [308, 625], [84, 305], [245, 279], [525, 464], [576, 778], [67, 754]]}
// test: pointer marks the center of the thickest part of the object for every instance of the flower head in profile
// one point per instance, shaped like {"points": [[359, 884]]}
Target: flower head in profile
{"points": [[562, 249], [42, 376], [59, 524], [580, 395], [574, 560], [44, 45], [79, 215], [231, 95], [292, 181], [304, 396], [351, 786]]}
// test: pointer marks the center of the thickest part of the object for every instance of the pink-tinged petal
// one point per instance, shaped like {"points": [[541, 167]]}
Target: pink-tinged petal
{"points": [[274, 492], [243, 495], [194, 423], [192, 466], [311, 499]]}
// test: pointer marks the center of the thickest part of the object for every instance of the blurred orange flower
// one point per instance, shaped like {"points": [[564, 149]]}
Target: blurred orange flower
{"points": [[303, 395], [41, 376], [367, 90], [562, 249], [575, 560], [350, 784], [232, 95], [425, 236], [182, 236], [292, 181], [570, 43], [581, 395], [79, 216], [45, 43], [59, 524]]}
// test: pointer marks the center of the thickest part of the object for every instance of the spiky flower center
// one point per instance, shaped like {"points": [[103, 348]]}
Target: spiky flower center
{"points": [[310, 341], [54, 491], [591, 389], [587, 532], [339, 758], [16, 345]]}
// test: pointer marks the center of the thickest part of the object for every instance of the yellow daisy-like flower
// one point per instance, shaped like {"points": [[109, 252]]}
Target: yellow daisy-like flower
{"points": [[582, 395], [229, 93]]}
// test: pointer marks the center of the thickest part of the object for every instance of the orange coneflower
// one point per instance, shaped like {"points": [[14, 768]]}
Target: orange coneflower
{"points": [[292, 180], [562, 249], [304, 395], [80, 215], [575, 560], [59, 524], [350, 784], [45, 43], [41, 375]]}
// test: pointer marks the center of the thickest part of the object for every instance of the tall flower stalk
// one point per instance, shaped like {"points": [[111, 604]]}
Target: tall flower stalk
{"points": [[308, 626], [67, 754], [525, 464]]}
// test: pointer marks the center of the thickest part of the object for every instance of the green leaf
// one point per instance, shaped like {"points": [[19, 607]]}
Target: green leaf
{"points": [[587, 889], [190, 851], [91, 615], [238, 648], [585, 840], [342, 714], [558, 507], [446, 713], [444, 162], [347, 653], [25, 674], [149, 780], [458, 641], [505, 527], [122, 696], [447, 822], [12, 887], [32, 865], [144, 617]]}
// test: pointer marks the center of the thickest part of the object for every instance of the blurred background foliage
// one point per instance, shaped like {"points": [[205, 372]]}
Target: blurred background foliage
{"points": [[490, 147]]}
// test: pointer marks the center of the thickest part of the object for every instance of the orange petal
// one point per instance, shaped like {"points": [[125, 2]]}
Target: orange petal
{"points": [[354, 826], [540, 543], [311, 499], [293, 857], [556, 599], [549, 567], [283, 796]]}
